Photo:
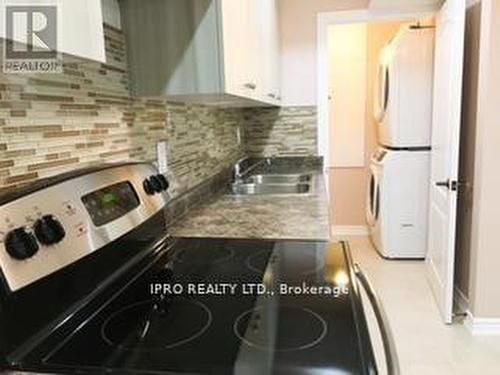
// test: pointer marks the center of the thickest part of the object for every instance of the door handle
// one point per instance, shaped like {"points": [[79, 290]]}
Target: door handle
{"points": [[451, 185], [445, 184]]}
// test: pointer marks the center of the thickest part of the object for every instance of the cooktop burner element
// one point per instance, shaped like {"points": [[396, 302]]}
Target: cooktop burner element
{"points": [[147, 325], [310, 263], [275, 328], [215, 256], [257, 262]]}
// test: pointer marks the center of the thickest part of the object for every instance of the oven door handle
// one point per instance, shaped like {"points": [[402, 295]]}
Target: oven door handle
{"points": [[391, 356]]}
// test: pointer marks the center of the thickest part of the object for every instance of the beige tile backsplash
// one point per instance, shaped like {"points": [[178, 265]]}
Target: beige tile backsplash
{"points": [[285, 131]]}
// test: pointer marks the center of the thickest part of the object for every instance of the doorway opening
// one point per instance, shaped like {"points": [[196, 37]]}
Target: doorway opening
{"points": [[413, 61]]}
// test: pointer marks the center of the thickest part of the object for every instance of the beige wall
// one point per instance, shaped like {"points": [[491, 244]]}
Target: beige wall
{"points": [[348, 185], [347, 192], [478, 254], [484, 292], [347, 45], [298, 45]]}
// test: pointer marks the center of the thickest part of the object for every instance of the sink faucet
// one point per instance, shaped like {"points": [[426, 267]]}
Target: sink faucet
{"points": [[238, 174]]}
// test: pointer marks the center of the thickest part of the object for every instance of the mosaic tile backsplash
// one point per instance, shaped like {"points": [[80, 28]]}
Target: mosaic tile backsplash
{"points": [[285, 131], [51, 123]]}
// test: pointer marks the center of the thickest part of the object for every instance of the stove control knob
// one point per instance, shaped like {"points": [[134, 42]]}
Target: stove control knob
{"points": [[148, 187], [156, 184], [48, 230], [163, 182], [20, 244]]}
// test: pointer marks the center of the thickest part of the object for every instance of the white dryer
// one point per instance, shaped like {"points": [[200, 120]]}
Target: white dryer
{"points": [[403, 101], [397, 202]]}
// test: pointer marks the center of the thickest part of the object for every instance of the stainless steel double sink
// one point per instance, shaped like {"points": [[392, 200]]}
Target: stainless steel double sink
{"points": [[273, 184]]}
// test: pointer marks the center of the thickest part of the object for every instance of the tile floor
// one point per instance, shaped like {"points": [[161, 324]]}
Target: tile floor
{"points": [[425, 345]]}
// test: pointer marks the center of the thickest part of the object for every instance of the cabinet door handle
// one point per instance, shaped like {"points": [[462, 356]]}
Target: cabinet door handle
{"points": [[272, 96], [251, 86]]}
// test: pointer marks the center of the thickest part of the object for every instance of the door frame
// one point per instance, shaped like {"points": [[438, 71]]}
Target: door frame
{"points": [[324, 21]]}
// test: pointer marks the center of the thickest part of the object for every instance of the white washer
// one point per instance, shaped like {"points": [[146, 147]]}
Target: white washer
{"points": [[403, 103], [397, 203]]}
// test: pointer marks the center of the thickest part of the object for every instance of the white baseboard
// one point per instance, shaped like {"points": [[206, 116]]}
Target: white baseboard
{"points": [[350, 230], [482, 326], [476, 326]]}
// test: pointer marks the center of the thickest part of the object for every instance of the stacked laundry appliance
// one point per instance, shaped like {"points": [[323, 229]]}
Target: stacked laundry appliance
{"points": [[398, 191]]}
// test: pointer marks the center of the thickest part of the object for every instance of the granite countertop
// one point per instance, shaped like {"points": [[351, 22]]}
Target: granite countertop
{"points": [[301, 217]]}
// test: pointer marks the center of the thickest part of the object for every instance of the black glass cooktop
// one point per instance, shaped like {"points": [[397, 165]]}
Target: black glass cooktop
{"points": [[218, 306]]}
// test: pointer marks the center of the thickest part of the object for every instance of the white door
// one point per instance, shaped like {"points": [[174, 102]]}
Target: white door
{"points": [[450, 30]]}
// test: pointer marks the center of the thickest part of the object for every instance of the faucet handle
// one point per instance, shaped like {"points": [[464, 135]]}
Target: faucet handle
{"points": [[237, 172]]}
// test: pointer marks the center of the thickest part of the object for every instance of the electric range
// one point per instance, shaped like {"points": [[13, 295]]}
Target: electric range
{"points": [[92, 283]]}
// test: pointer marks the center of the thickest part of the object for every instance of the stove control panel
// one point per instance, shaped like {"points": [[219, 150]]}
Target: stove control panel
{"points": [[55, 226], [111, 202]]}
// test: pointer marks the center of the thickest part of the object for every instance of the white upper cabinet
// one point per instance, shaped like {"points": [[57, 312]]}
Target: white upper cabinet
{"points": [[77, 25], [240, 76], [83, 33], [269, 46], [251, 49], [214, 52]]}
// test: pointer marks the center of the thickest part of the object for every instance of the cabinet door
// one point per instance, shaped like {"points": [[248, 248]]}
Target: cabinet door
{"points": [[268, 50], [79, 24], [173, 47], [83, 33], [257, 60], [238, 47], [275, 64]]}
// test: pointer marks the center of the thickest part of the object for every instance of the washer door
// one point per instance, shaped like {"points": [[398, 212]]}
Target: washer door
{"points": [[382, 94], [373, 198]]}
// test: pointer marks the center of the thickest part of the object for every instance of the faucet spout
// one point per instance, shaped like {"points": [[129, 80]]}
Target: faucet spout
{"points": [[238, 173]]}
